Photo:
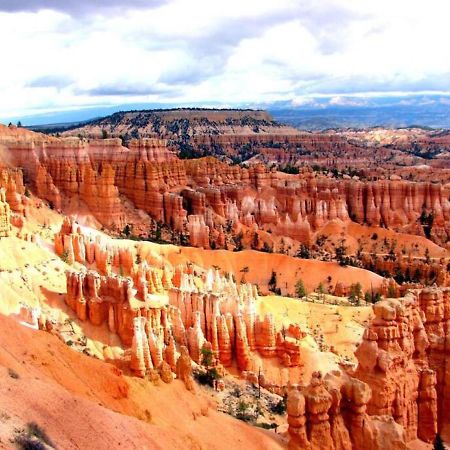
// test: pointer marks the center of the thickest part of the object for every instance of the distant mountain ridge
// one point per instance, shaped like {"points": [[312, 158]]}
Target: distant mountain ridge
{"points": [[152, 119], [192, 132], [428, 113], [311, 113]]}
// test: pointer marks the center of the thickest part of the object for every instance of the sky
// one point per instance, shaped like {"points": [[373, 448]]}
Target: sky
{"points": [[62, 55]]}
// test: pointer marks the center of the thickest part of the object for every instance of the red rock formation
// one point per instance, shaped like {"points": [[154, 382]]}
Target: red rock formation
{"points": [[331, 413], [184, 369], [318, 401], [435, 304], [265, 334], [140, 353], [5, 215], [198, 231], [148, 174], [403, 358]]}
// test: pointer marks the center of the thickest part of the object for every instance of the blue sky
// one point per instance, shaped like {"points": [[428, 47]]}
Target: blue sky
{"points": [[62, 55]]}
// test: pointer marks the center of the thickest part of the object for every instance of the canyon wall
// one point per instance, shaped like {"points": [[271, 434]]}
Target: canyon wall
{"points": [[169, 307], [205, 198], [399, 391], [5, 215]]}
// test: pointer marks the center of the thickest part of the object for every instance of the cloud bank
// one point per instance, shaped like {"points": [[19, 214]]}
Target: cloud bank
{"points": [[60, 55]]}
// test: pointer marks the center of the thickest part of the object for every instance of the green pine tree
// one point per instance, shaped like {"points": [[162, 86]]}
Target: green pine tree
{"points": [[438, 443], [300, 289]]}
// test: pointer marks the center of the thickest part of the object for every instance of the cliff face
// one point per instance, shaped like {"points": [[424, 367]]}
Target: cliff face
{"points": [[157, 309], [399, 391], [404, 357], [5, 215], [331, 414], [200, 197]]}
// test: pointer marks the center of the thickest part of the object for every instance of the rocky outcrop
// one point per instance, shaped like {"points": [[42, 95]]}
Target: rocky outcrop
{"points": [[184, 369], [404, 359], [5, 215], [435, 304], [331, 414], [156, 311], [201, 198], [398, 392]]}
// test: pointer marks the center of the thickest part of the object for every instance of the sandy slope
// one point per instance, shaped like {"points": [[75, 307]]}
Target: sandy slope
{"points": [[84, 403], [287, 268], [341, 326], [356, 235]]}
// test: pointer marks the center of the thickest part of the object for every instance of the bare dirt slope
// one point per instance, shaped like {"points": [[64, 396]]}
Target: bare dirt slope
{"points": [[74, 398]]}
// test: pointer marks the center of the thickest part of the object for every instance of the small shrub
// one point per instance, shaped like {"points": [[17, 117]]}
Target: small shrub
{"points": [[207, 378], [267, 426], [33, 438], [29, 443], [13, 374], [242, 412], [279, 408], [242, 407], [35, 430], [236, 392], [65, 256]]}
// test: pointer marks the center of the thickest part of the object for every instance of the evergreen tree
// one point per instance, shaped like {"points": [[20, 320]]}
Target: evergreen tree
{"points": [[303, 252], [300, 289], [321, 291], [273, 284], [273, 281], [391, 291], [356, 293], [126, 230], [238, 242], [255, 241], [438, 443], [158, 231], [341, 253]]}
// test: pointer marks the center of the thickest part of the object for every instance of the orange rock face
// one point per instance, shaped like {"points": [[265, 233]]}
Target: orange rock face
{"points": [[331, 413], [403, 359], [5, 215], [399, 390], [199, 197], [157, 311]]}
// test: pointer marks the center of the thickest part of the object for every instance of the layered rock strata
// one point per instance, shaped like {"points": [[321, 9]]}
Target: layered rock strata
{"points": [[163, 309], [404, 358], [331, 414], [5, 215], [200, 197]]}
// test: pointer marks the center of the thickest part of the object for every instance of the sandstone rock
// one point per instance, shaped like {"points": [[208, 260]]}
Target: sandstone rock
{"points": [[5, 215], [184, 369], [165, 373]]}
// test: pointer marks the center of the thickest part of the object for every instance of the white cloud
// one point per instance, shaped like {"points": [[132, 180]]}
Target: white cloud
{"points": [[228, 52]]}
